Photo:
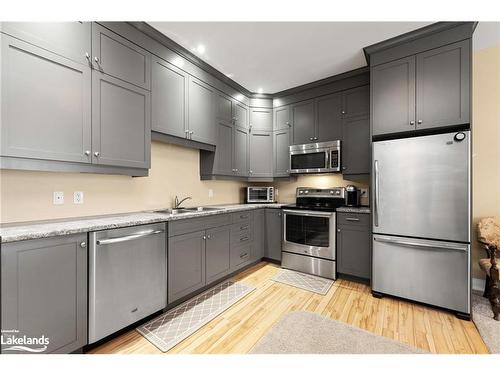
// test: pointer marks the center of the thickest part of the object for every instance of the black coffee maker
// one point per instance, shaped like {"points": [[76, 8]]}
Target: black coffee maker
{"points": [[352, 196]]}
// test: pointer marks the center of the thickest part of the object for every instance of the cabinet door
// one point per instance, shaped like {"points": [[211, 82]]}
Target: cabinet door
{"points": [[44, 291], [261, 148], [68, 39], [261, 118], [281, 150], [259, 228], [224, 108], [356, 151], [240, 114], [224, 149], [116, 56], [45, 104], [274, 234], [443, 86], [121, 123], [356, 102], [354, 250], [201, 113], [303, 122], [282, 118], [393, 96], [186, 264], [217, 253], [168, 99], [329, 115], [240, 152]]}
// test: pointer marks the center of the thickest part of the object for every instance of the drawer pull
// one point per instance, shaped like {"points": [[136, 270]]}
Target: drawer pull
{"points": [[242, 239], [352, 219], [244, 227], [243, 216], [243, 255]]}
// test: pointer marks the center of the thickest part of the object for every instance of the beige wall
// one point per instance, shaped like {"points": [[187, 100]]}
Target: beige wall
{"points": [[486, 140]]}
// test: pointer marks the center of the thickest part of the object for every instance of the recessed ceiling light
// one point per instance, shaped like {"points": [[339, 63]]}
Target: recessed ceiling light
{"points": [[239, 97], [178, 61], [200, 49], [229, 75], [260, 90]]}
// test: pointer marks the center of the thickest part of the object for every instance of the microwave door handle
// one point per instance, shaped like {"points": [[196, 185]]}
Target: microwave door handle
{"points": [[376, 193], [327, 164]]}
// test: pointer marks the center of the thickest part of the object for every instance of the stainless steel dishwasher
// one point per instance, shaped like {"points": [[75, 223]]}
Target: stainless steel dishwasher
{"points": [[127, 277]]}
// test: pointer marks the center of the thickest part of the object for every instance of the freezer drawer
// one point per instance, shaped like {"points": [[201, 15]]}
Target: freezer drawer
{"points": [[422, 187], [127, 277], [432, 272]]}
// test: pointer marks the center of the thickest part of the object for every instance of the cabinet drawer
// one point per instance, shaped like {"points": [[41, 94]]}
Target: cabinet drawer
{"points": [[345, 218], [240, 255], [178, 227], [241, 233], [242, 216]]}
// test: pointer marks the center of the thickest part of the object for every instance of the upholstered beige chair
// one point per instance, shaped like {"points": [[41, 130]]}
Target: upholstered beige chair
{"points": [[489, 237]]}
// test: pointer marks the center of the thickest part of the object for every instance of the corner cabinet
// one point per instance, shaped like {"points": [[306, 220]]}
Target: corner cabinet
{"points": [[44, 291], [261, 147], [281, 153]]}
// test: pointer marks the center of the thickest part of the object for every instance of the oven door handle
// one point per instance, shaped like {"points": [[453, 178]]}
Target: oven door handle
{"points": [[309, 213]]}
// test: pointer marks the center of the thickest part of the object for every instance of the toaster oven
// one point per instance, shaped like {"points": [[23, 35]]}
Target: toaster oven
{"points": [[260, 194]]}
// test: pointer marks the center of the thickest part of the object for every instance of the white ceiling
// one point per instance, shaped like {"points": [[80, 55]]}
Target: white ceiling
{"points": [[275, 56]]}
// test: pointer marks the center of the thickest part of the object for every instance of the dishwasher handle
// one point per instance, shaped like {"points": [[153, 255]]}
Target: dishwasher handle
{"points": [[129, 237]]}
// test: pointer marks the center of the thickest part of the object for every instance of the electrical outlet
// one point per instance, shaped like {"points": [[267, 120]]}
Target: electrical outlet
{"points": [[210, 193], [364, 192], [78, 197], [58, 197]]}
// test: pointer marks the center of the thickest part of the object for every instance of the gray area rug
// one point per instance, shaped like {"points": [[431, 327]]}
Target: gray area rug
{"points": [[170, 328], [488, 328], [300, 280], [302, 332]]}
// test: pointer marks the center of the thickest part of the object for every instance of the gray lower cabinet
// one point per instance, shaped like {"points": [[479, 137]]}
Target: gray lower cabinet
{"points": [[281, 151], [261, 147], [393, 96], [217, 253], [168, 98], [303, 122], [121, 123], [120, 58], [240, 152], [281, 118], [356, 146], [68, 39], [329, 117], [354, 244], [201, 112], [44, 291], [37, 121], [274, 233], [223, 163], [186, 264], [259, 230], [261, 118]]}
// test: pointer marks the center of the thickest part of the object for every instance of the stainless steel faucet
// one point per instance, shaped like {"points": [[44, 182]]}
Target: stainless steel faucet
{"points": [[177, 203]]}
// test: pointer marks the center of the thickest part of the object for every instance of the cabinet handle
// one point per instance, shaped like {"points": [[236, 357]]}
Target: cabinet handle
{"points": [[87, 152], [209, 237], [96, 154], [204, 237], [243, 239], [250, 171], [342, 112], [83, 244], [244, 227], [338, 230], [419, 121], [352, 219], [315, 138], [412, 122], [279, 214], [243, 255], [344, 168], [87, 56], [288, 123], [96, 59], [243, 216], [311, 138]]}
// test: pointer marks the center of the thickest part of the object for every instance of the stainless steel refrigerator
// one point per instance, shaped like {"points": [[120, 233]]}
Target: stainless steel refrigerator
{"points": [[421, 219]]}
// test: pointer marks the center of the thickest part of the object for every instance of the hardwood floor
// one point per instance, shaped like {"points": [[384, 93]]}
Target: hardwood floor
{"points": [[240, 327]]}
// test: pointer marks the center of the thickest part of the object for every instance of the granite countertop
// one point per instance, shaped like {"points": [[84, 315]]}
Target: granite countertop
{"points": [[42, 229], [355, 210]]}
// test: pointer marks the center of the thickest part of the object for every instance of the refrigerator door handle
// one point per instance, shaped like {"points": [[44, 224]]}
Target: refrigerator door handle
{"points": [[376, 187], [433, 245]]}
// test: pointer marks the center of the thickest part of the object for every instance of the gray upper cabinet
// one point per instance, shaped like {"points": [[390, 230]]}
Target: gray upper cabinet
{"points": [[274, 233], [261, 147], [356, 102], [121, 123], [240, 114], [240, 152], [281, 118], [281, 152], [443, 86], [217, 253], [261, 118], [356, 151], [224, 108], [201, 112], [169, 98], [68, 39], [37, 121], [223, 163], [117, 57], [303, 120], [186, 264], [329, 117], [44, 291], [393, 96]]}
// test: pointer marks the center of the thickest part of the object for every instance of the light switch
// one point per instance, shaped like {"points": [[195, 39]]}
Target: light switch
{"points": [[58, 197], [78, 197], [210, 193]]}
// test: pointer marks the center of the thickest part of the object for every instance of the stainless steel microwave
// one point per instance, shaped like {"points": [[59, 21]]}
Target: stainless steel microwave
{"points": [[260, 194], [320, 157]]}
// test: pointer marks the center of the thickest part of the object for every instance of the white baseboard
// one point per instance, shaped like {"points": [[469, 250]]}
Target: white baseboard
{"points": [[478, 284]]}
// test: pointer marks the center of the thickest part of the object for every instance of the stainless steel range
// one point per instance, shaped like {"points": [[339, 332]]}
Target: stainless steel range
{"points": [[309, 231]]}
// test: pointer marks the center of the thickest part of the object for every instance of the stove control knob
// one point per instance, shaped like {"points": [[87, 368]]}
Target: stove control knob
{"points": [[307, 191], [301, 191], [332, 192]]}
